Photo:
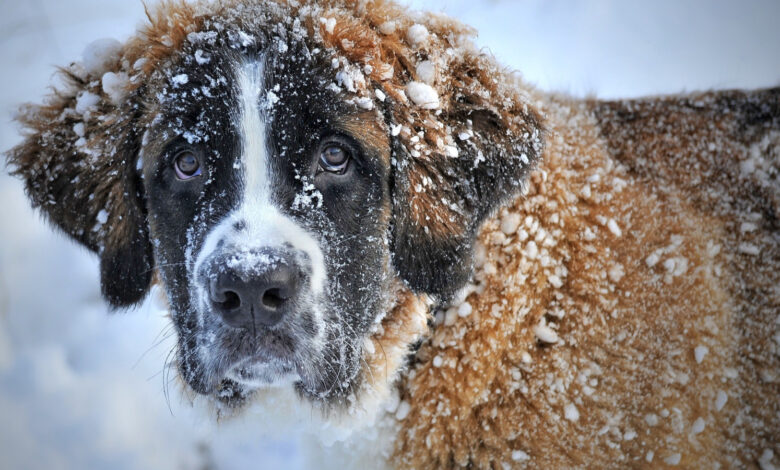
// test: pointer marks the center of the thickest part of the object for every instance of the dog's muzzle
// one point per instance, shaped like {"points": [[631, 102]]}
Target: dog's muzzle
{"points": [[258, 319]]}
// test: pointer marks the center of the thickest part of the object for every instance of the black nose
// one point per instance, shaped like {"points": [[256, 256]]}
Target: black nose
{"points": [[254, 290]]}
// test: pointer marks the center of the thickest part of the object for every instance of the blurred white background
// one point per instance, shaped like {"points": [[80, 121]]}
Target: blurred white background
{"points": [[81, 388]]}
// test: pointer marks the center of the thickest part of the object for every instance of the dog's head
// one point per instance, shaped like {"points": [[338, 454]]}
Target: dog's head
{"points": [[287, 171]]}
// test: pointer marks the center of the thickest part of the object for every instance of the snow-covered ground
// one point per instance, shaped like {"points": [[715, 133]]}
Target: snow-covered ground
{"points": [[82, 388]]}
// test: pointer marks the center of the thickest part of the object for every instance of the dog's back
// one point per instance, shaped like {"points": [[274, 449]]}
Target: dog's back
{"points": [[720, 154], [624, 312]]}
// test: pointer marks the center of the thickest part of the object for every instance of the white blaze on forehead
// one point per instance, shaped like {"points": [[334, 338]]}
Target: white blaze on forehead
{"points": [[253, 135]]}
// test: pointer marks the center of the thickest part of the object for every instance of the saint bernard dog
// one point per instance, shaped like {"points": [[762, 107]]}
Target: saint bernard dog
{"points": [[349, 205]]}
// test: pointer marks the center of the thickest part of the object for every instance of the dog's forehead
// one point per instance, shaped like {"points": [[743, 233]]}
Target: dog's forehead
{"points": [[303, 93], [195, 92]]}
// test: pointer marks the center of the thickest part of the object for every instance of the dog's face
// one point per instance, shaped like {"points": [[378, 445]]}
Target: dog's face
{"points": [[268, 199], [283, 171]]}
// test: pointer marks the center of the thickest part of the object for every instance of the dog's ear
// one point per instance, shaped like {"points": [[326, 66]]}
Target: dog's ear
{"points": [[78, 165], [464, 143], [440, 199]]}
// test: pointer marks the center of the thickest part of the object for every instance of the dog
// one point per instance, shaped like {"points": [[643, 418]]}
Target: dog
{"points": [[355, 211]]}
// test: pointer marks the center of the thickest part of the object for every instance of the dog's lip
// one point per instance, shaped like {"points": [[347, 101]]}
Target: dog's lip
{"points": [[259, 370]]}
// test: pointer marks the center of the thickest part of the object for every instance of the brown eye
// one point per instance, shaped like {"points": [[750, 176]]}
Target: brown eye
{"points": [[334, 159], [186, 165]]}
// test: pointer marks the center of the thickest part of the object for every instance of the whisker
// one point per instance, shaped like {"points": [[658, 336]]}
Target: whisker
{"points": [[165, 333]]}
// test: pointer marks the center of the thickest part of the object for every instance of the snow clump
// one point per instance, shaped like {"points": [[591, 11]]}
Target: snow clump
{"points": [[614, 228], [115, 86], [765, 461], [673, 459], [571, 413], [699, 352], [180, 79], [417, 35], [329, 23], [99, 56], [201, 57], [79, 129], [520, 456], [720, 400], [86, 102], [387, 28], [426, 72], [545, 334], [423, 95], [698, 426]]}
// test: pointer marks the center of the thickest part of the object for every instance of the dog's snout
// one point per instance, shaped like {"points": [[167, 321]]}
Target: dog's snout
{"points": [[255, 292]]}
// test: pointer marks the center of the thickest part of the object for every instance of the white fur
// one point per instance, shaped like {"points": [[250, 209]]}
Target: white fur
{"points": [[254, 138]]}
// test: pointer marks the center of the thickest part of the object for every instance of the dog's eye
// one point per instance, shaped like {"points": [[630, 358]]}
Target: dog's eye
{"points": [[187, 165], [334, 159]]}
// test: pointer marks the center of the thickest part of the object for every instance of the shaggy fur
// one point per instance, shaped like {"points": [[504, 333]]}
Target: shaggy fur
{"points": [[623, 309]]}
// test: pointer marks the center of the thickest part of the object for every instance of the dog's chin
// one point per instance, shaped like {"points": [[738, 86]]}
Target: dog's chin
{"points": [[252, 374], [243, 379]]}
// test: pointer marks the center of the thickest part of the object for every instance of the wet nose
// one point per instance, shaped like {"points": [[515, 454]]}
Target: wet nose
{"points": [[247, 293]]}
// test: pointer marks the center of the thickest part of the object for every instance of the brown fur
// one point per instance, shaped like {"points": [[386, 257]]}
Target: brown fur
{"points": [[628, 334]]}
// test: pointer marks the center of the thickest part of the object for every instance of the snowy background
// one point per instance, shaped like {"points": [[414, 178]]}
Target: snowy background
{"points": [[80, 388]]}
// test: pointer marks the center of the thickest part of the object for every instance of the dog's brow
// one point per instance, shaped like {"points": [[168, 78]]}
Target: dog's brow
{"points": [[366, 128]]}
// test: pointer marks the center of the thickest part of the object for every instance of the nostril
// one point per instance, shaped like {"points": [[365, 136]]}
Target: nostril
{"points": [[273, 298], [232, 300]]}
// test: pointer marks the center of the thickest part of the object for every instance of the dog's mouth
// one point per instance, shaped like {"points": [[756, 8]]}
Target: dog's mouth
{"points": [[231, 378], [257, 372], [252, 359], [232, 364]]}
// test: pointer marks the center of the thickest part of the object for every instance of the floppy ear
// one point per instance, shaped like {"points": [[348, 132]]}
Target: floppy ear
{"points": [[454, 166], [441, 199], [78, 166]]}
